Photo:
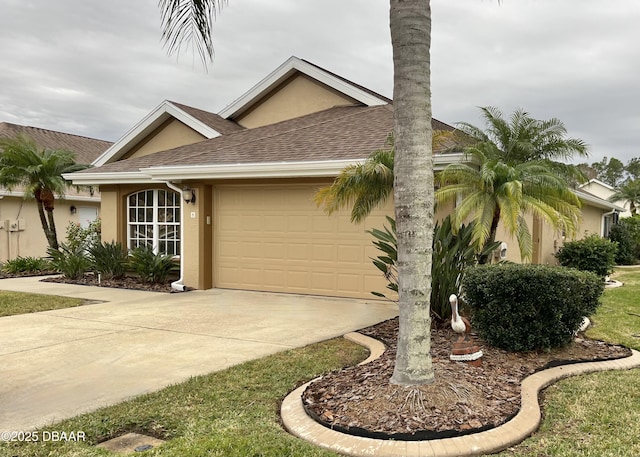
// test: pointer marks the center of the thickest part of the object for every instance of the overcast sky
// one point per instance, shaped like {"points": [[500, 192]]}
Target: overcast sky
{"points": [[96, 68]]}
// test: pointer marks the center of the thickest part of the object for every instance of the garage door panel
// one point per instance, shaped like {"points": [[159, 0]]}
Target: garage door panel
{"points": [[323, 224], [274, 238], [324, 252]]}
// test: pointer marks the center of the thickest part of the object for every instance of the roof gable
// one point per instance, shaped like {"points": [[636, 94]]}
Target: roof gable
{"points": [[207, 124], [289, 68]]}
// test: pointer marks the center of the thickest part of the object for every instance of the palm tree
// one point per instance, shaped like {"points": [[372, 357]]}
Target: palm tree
{"points": [[39, 173], [410, 23], [628, 192], [500, 191], [365, 186], [522, 138]]}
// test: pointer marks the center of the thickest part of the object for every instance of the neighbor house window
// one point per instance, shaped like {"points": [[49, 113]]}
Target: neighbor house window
{"points": [[154, 220]]}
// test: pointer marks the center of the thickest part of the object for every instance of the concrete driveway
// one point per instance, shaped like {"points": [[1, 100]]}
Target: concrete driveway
{"points": [[57, 364]]}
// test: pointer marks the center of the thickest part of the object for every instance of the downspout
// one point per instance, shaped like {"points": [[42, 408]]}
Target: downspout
{"points": [[179, 284], [602, 222]]}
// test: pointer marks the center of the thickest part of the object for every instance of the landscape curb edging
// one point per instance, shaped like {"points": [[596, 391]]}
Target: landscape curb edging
{"points": [[298, 423]]}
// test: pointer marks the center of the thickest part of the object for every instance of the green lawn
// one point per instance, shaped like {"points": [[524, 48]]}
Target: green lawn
{"points": [[12, 303], [235, 412], [598, 414]]}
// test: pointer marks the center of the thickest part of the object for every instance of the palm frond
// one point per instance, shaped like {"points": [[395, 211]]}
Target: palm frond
{"points": [[189, 22]]}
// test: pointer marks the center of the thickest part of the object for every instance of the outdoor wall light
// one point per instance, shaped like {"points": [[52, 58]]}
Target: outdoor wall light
{"points": [[73, 209], [189, 195]]}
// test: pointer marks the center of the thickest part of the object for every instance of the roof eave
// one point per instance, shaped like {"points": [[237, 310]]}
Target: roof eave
{"points": [[598, 202], [97, 179]]}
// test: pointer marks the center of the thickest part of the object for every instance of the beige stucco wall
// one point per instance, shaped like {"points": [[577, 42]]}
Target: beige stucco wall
{"points": [[170, 134], [551, 240], [198, 226], [31, 241], [591, 221], [295, 97]]}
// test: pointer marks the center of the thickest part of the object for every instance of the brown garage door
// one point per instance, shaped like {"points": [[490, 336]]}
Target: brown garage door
{"points": [[274, 238]]}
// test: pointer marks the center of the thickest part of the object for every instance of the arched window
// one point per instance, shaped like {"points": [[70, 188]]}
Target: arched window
{"points": [[154, 220]]}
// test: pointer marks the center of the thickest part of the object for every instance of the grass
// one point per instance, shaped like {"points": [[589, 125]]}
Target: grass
{"points": [[235, 412], [596, 415], [228, 413], [12, 303]]}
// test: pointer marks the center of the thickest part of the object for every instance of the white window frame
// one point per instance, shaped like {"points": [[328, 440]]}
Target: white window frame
{"points": [[155, 223]]}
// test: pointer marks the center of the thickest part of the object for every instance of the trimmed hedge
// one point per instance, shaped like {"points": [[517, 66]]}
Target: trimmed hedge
{"points": [[592, 253], [529, 307]]}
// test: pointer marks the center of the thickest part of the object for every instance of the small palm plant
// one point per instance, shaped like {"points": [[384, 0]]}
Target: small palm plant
{"points": [[39, 173], [151, 267]]}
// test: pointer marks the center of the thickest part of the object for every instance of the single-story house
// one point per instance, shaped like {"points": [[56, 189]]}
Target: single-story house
{"points": [[21, 233], [232, 193], [605, 191]]}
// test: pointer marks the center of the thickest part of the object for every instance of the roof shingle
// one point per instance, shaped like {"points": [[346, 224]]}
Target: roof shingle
{"points": [[339, 133], [86, 149]]}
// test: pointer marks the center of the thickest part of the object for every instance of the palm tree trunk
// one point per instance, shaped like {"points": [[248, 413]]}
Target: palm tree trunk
{"points": [[48, 233], [492, 237], [413, 187], [53, 234]]}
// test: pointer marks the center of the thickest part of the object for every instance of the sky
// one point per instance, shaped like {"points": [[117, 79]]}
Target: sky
{"points": [[96, 68]]}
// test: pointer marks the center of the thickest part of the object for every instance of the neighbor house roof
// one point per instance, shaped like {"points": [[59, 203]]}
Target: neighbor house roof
{"points": [[331, 138], [86, 149]]}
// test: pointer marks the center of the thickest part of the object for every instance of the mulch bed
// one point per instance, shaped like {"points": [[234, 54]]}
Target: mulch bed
{"points": [[464, 399], [124, 283]]}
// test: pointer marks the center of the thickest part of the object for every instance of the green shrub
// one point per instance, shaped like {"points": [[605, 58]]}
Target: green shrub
{"points": [[626, 252], [632, 225], [109, 259], [26, 265], [150, 267], [592, 253], [452, 254], [85, 238], [529, 307], [72, 263]]}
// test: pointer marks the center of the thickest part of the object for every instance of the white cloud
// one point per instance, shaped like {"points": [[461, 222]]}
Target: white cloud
{"points": [[96, 68]]}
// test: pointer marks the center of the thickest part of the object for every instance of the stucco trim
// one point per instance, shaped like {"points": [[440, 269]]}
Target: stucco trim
{"points": [[289, 67]]}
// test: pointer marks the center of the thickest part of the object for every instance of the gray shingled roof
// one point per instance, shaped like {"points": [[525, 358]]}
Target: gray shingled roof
{"points": [[339, 133], [216, 122], [86, 149]]}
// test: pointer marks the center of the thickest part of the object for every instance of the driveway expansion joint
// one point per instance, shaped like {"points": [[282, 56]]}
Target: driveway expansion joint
{"points": [[298, 423]]}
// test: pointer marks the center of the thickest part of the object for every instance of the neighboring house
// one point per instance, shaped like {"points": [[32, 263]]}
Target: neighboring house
{"points": [[21, 233], [234, 194], [605, 191]]}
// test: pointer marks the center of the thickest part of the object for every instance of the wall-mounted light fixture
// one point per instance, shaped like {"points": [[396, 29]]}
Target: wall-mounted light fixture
{"points": [[73, 209], [189, 195]]}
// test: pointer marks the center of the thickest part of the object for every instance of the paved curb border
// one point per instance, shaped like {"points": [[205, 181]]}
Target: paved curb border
{"points": [[298, 423]]}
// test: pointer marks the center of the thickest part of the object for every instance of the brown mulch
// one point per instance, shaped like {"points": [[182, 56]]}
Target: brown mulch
{"points": [[464, 399], [124, 283]]}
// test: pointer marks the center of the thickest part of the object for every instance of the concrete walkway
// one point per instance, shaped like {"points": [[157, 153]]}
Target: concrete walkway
{"points": [[57, 364]]}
